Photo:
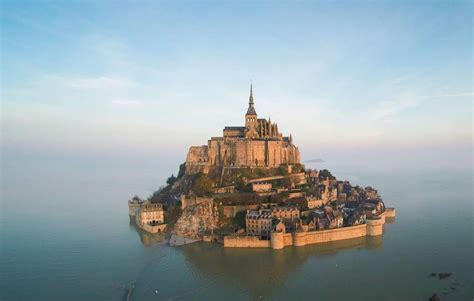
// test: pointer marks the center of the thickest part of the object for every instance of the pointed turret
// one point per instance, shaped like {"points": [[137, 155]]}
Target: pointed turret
{"points": [[251, 95], [251, 109], [251, 120]]}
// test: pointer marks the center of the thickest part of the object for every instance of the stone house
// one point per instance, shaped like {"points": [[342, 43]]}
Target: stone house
{"points": [[278, 226], [354, 216], [371, 193], [285, 212], [336, 219], [314, 176], [150, 214], [261, 186], [306, 202], [259, 222]]}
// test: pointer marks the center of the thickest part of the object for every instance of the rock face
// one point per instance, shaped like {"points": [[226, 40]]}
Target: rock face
{"points": [[197, 219], [443, 275]]}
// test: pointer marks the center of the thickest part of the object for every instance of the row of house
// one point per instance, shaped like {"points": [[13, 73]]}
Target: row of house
{"points": [[327, 218], [330, 189], [261, 222]]}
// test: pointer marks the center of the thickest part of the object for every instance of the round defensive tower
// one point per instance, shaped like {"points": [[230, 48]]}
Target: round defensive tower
{"points": [[276, 240], [299, 239], [390, 212], [375, 226]]}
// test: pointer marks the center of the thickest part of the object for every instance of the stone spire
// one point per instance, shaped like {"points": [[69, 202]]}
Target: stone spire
{"points": [[251, 96], [251, 109]]}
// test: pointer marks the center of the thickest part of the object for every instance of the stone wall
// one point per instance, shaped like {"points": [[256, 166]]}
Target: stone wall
{"points": [[191, 201], [154, 229], [243, 152], [287, 239], [231, 211], [197, 154], [375, 226], [390, 212], [225, 189], [261, 187], [132, 208], [245, 242], [313, 237], [279, 240], [298, 178]]}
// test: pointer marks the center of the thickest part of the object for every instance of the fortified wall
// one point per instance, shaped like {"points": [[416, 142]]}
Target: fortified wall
{"points": [[279, 240], [193, 200], [230, 211]]}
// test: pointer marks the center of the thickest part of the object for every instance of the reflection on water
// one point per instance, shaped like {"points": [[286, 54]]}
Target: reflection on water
{"points": [[259, 271], [147, 238], [40, 260]]}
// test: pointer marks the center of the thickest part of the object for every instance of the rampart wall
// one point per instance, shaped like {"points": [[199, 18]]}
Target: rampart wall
{"points": [[245, 242], [279, 240]]}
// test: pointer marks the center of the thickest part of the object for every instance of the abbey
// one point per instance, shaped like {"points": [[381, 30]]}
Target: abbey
{"points": [[257, 144]]}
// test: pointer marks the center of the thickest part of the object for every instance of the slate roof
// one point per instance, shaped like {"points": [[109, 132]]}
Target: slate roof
{"points": [[251, 110], [234, 128]]}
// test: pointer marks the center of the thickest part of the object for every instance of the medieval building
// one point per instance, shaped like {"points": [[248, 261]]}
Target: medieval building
{"points": [[257, 144]]}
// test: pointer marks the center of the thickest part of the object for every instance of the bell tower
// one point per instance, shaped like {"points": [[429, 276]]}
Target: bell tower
{"points": [[251, 118]]}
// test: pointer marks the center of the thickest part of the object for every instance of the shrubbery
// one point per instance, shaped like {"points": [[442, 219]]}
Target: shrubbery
{"points": [[202, 185], [324, 173]]}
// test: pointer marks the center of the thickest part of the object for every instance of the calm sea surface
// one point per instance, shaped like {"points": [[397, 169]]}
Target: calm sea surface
{"points": [[65, 235]]}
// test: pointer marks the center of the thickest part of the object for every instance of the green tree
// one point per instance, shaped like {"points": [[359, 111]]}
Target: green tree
{"points": [[324, 173], [239, 220], [283, 170], [171, 180], [182, 170], [202, 185]]}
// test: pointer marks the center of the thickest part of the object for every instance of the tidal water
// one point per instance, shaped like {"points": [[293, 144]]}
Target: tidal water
{"points": [[66, 235]]}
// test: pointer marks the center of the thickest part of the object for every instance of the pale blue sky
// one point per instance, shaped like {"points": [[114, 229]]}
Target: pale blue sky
{"points": [[386, 84]]}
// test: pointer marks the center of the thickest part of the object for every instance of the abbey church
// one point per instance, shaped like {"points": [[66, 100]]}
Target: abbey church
{"points": [[257, 144]]}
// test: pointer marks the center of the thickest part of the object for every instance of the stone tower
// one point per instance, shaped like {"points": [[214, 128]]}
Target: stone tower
{"points": [[251, 119], [257, 143]]}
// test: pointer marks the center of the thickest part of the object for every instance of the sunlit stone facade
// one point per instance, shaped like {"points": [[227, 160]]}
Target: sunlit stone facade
{"points": [[257, 144]]}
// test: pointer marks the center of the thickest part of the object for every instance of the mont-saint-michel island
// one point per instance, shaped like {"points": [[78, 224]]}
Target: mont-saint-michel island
{"points": [[236, 150], [249, 189]]}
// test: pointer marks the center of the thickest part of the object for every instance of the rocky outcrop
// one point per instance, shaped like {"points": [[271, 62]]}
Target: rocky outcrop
{"points": [[197, 219], [434, 298]]}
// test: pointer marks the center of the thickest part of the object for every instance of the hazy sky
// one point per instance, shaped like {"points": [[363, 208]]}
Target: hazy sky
{"points": [[386, 84]]}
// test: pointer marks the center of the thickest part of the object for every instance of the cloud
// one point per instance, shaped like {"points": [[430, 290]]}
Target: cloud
{"points": [[313, 161], [98, 83], [386, 109]]}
